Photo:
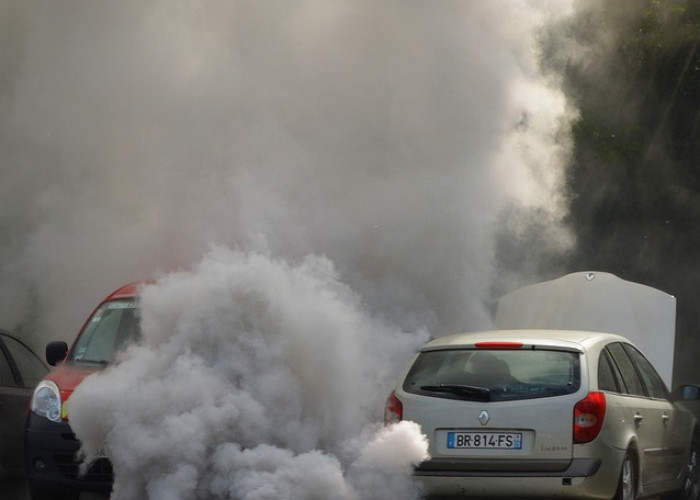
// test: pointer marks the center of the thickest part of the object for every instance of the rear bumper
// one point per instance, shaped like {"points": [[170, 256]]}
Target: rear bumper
{"points": [[577, 467], [576, 478], [50, 451]]}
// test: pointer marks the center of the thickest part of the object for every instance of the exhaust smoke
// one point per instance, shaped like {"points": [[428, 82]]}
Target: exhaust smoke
{"points": [[388, 137], [342, 166], [248, 367]]}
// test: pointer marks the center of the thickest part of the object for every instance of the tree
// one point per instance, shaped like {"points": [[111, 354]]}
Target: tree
{"points": [[633, 70]]}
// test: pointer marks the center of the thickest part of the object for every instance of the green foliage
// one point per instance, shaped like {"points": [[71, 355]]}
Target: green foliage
{"points": [[633, 69]]}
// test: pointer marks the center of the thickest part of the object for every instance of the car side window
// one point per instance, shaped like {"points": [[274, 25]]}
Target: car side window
{"points": [[630, 378], [7, 378], [607, 380], [656, 388], [31, 369]]}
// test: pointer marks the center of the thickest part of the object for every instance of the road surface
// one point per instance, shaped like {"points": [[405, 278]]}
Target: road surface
{"points": [[17, 490]]}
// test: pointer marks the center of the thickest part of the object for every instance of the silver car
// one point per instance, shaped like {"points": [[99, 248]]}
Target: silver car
{"points": [[546, 413]]}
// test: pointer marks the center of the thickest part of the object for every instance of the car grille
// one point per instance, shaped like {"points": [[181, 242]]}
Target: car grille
{"points": [[100, 470]]}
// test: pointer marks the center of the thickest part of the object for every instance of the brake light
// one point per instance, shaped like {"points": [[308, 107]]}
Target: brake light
{"points": [[499, 346], [393, 409], [588, 417]]}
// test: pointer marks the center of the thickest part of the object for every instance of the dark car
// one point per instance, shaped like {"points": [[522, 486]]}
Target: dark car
{"points": [[50, 444], [20, 371]]}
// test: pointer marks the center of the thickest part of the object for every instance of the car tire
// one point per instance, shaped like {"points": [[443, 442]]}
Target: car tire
{"points": [[36, 493], [691, 484], [627, 485]]}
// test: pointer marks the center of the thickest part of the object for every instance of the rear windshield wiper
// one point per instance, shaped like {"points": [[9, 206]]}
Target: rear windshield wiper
{"points": [[466, 391]]}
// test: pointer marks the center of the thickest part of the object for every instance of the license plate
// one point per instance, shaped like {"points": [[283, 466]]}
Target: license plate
{"points": [[485, 440]]}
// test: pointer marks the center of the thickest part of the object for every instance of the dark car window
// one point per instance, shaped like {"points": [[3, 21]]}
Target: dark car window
{"points": [[111, 327], [630, 378], [7, 379], [607, 379], [494, 375], [30, 367], [652, 380]]}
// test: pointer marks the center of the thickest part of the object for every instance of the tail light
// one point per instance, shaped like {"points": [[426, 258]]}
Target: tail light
{"points": [[588, 417], [393, 409], [499, 346]]}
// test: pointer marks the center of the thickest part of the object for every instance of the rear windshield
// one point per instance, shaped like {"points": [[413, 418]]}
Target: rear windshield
{"points": [[113, 325], [499, 375]]}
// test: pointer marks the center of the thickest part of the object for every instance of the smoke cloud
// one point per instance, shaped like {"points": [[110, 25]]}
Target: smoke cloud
{"points": [[317, 186], [387, 136], [247, 368]]}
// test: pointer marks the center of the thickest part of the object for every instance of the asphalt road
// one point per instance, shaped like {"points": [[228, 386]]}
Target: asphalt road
{"points": [[17, 490]]}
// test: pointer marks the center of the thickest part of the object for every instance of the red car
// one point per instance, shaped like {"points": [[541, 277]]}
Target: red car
{"points": [[50, 444]]}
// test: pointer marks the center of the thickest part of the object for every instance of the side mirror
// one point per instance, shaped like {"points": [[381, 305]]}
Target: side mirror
{"points": [[55, 352], [690, 392]]}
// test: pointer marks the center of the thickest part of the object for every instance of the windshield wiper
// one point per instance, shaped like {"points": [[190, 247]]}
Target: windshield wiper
{"points": [[466, 391], [96, 361]]}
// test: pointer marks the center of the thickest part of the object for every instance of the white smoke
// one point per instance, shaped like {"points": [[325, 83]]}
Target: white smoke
{"points": [[357, 153], [255, 379], [387, 136]]}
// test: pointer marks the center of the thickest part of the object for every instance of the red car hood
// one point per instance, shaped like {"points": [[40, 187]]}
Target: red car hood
{"points": [[67, 376]]}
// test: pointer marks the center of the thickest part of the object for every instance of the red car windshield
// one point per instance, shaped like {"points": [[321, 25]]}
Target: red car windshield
{"points": [[113, 325]]}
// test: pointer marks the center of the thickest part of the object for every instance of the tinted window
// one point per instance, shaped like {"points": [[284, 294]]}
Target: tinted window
{"points": [[494, 375], [631, 381], [607, 380], [113, 325], [30, 367], [7, 379], [652, 380]]}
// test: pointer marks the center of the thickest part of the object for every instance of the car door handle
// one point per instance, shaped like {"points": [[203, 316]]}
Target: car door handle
{"points": [[638, 419], [665, 418]]}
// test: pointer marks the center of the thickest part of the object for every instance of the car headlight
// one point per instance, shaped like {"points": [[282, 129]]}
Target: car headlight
{"points": [[46, 401]]}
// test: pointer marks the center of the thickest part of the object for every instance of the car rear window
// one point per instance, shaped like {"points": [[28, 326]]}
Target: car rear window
{"points": [[497, 375], [113, 325]]}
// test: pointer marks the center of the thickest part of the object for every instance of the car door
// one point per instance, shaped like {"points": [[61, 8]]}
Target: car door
{"points": [[20, 371], [645, 415], [675, 424], [13, 404]]}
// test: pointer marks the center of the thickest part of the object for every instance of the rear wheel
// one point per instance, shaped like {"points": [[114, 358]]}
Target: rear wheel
{"points": [[627, 486], [691, 485]]}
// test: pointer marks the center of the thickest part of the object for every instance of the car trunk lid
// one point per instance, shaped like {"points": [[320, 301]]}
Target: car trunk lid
{"points": [[490, 404]]}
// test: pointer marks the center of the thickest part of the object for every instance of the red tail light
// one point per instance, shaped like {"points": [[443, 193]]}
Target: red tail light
{"points": [[588, 417], [393, 409]]}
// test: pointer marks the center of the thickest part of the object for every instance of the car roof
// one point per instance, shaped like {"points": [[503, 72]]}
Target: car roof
{"points": [[130, 290], [8, 333], [577, 340]]}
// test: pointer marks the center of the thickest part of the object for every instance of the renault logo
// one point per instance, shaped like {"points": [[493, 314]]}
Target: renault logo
{"points": [[484, 417]]}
